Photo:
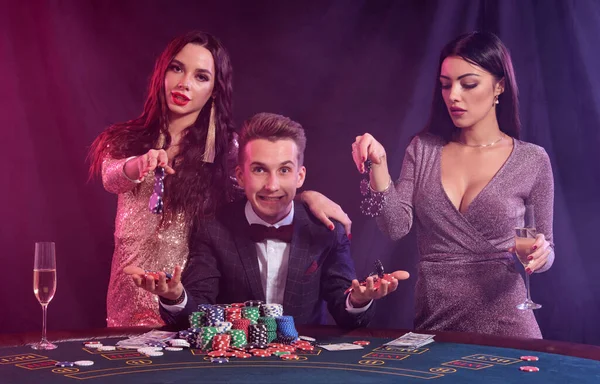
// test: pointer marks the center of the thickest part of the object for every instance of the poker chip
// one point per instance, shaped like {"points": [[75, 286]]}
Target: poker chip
{"points": [[219, 360], [529, 368], [91, 342], [361, 342], [180, 344], [64, 364], [149, 349], [307, 338], [107, 348], [305, 348], [173, 349], [530, 358], [217, 353], [84, 363], [93, 345], [242, 355], [289, 357]]}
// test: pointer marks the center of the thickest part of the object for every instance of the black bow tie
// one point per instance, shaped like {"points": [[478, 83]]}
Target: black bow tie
{"points": [[259, 232]]}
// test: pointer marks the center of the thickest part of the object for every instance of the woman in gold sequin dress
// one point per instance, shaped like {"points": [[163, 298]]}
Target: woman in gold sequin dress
{"points": [[186, 129], [464, 184]]}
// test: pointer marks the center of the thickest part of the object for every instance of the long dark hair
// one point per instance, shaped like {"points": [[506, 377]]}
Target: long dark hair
{"points": [[487, 51], [196, 187]]}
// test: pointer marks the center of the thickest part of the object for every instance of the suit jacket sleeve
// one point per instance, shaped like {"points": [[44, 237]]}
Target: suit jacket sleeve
{"points": [[200, 277], [337, 275]]}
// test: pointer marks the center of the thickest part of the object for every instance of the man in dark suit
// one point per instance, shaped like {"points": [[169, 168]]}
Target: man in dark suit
{"points": [[266, 247]]}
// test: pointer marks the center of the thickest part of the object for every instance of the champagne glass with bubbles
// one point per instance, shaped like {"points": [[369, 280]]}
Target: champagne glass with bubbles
{"points": [[44, 284], [524, 240]]}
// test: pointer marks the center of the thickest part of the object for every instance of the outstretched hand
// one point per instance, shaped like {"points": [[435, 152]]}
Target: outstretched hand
{"points": [[150, 161], [364, 148], [375, 288], [169, 289]]}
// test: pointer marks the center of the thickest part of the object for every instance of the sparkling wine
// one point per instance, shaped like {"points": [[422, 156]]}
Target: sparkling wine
{"points": [[523, 248], [44, 284]]}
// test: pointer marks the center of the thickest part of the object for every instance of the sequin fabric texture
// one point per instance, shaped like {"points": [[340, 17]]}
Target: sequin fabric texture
{"points": [[141, 239], [467, 281]]}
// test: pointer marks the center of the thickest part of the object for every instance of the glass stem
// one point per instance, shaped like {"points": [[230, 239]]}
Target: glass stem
{"points": [[527, 284], [44, 307]]}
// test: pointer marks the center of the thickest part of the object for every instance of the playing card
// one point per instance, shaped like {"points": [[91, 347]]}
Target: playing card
{"points": [[340, 346]]}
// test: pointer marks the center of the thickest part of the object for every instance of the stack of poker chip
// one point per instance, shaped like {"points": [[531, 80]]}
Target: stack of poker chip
{"points": [[206, 338], [221, 342], [271, 310], [214, 314], [241, 324], [271, 324], [233, 313], [196, 319], [251, 313], [238, 338], [286, 330], [257, 335], [192, 336], [253, 303], [223, 326]]}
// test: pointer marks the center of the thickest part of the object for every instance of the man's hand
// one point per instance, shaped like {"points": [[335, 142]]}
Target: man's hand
{"points": [[375, 288]]}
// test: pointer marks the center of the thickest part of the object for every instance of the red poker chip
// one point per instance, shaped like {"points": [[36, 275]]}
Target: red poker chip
{"points": [[217, 353], [242, 355], [362, 342], [289, 357], [530, 358], [306, 348], [529, 368]]}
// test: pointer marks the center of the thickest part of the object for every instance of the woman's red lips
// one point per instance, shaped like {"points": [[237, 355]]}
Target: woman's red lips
{"points": [[180, 98]]}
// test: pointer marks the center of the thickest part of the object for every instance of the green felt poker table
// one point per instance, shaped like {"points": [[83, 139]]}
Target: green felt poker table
{"points": [[452, 358]]}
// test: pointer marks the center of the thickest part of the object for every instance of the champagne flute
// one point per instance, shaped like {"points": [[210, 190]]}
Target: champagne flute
{"points": [[44, 284], [524, 240]]}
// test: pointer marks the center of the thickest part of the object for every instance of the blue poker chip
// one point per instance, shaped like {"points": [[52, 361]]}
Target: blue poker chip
{"points": [[219, 360], [64, 364]]}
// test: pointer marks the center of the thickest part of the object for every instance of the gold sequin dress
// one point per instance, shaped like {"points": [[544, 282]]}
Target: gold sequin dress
{"points": [[142, 240]]}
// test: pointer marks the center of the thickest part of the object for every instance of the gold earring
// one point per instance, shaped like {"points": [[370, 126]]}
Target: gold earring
{"points": [[209, 147]]}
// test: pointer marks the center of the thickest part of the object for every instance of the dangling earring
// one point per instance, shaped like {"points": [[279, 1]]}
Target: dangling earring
{"points": [[209, 147], [496, 101]]}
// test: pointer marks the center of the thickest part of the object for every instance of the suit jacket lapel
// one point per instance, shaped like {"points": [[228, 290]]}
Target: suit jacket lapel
{"points": [[299, 256], [246, 248]]}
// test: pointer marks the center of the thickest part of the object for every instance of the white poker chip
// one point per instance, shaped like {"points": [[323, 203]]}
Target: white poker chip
{"points": [[173, 349], [149, 349], [84, 363], [307, 338], [179, 342], [107, 348], [154, 354]]}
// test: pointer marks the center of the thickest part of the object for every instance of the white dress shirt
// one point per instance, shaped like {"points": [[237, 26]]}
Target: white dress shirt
{"points": [[273, 257]]}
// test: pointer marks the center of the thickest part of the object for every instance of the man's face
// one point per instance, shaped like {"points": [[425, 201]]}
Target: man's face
{"points": [[270, 175]]}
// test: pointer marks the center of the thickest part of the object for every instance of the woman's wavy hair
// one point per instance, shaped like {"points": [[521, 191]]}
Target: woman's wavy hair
{"points": [[196, 187], [487, 51]]}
